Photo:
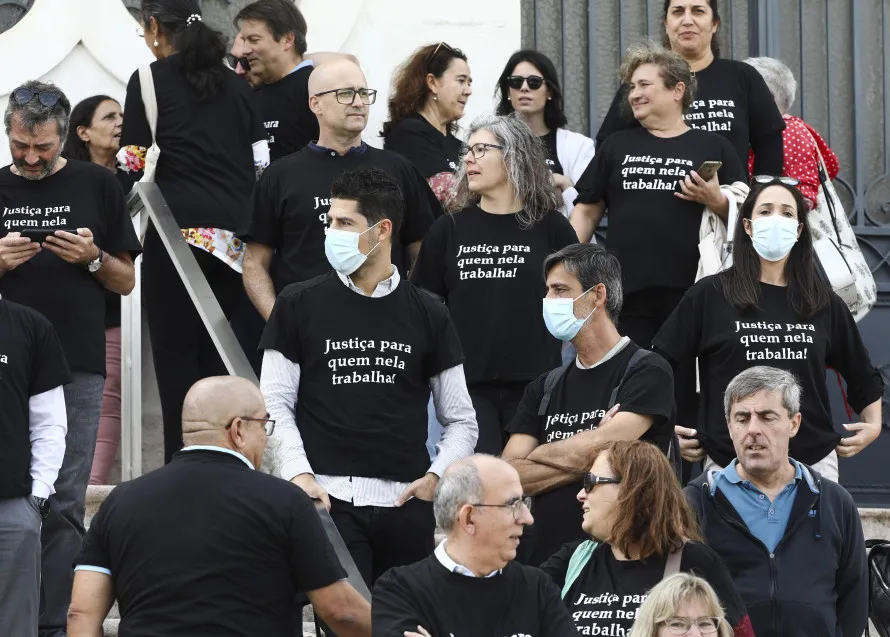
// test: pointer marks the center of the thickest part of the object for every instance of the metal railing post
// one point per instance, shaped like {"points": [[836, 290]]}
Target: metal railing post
{"points": [[131, 371]]}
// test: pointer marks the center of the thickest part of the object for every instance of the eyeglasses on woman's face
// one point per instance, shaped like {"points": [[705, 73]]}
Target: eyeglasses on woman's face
{"points": [[683, 625], [347, 95], [516, 505], [516, 81], [478, 150], [591, 480]]}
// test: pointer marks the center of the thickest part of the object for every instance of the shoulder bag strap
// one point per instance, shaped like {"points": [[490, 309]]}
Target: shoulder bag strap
{"points": [[577, 562], [149, 99], [637, 356], [672, 566], [550, 384]]}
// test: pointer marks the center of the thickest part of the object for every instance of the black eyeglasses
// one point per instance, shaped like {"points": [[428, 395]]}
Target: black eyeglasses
{"points": [[478, 150], [268, 423], [772, 179], [590, 481], [22, 96], [235, 61], [347, 95], [516, 505], [534, 81], [682, 625]]}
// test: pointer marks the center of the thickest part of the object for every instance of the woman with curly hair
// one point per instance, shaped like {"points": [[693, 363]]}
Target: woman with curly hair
{"points": [[642, 530], [485, 260], [429, 94]]}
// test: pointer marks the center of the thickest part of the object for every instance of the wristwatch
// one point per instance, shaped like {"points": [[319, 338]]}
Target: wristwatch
{"points": [[96, 263], [42, 506]]}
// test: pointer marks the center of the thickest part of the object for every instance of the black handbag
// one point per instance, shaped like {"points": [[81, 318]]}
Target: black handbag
{"points": [[878, 552]]}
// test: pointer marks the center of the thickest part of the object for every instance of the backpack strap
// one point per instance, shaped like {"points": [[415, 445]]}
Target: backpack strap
{"points": [[577, 562], [635, 358], [553, 377], [672, 566]]}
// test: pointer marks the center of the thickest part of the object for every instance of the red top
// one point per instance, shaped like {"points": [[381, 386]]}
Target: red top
{"points": [[801, 159]]}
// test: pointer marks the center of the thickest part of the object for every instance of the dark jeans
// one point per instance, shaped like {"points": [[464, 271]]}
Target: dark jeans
{"points": [[182, 349], [19, 566], [63, 530], [379, 538], [495, 404]]}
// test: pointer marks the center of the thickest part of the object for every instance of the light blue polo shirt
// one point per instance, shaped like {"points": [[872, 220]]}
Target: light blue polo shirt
{"points": [[766, 520]]}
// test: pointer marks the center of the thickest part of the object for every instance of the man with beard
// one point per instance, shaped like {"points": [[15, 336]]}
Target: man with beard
{"points": [[65, 237]]}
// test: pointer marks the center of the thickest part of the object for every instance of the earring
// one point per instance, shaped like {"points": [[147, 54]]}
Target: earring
{"points": [[156, 44], [549, 98]]}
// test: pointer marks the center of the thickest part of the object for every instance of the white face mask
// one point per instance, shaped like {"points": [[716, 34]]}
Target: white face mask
{"points": [[341, 249], [774, 236], [560, 319]]}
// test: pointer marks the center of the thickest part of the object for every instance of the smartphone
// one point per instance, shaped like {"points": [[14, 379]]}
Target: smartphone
{"points": [[39, 235], [708, 169]]}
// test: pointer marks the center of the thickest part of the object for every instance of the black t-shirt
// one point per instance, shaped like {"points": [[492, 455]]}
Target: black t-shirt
{"points": [[727, 342], [206, 168], [605, 598], [653, 233], [365, 365], [31, 362], [521, 601], [423, 145], [578, 402], [732, 100], [549, 141], [489, 271], [207, 546], [80, 195], [292, 198], [284, 107], [113, 299]]}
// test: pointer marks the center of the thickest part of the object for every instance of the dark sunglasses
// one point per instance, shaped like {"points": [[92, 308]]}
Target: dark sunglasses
{"points": [[233, 62], [771, 179], [431, 56], [590, 481], [22, 96], [534, 82]]}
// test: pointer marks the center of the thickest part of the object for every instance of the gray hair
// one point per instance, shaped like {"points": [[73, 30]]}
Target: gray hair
{"points": [[527, 172], [762, 378], [34, 113], [779, 80], [459, 485], [592, 265]]}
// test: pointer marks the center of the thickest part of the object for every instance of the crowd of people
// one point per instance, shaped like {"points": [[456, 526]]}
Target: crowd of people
{"points": [[441, 342]]}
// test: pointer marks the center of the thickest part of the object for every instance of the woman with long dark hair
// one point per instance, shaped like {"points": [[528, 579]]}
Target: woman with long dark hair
{"points": [[641, 529], [485, 260], [773, 308], [529, 87], [430, 92], [211, 142], [732, 99]]}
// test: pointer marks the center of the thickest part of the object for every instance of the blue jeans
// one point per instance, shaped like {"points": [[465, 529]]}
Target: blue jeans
{"points": [[63, 530]]}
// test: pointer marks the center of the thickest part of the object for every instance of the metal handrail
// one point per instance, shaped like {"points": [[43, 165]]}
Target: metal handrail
{"points": [[147, 204]]}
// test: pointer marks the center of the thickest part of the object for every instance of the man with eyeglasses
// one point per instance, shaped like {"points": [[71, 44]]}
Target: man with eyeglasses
{"points": [[471, 585], [209, 545], [65, 238], [285, 243]]}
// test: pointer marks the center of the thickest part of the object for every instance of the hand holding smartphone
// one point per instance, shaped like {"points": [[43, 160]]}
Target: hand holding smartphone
{"points": [[39, 235], [708, 169]]}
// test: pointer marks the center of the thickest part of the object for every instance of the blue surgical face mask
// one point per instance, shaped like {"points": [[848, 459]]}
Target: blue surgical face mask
{"points": [[774, 236], [341, 249], [560, 319]]}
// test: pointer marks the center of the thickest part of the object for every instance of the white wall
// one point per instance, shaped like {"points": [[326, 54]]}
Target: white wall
{"points": [[90, 46]]}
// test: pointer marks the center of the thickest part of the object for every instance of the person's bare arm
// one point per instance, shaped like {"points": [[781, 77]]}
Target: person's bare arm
{"points": [[257, 281], [585, 217], [91, 599], [343, 609], [563, 462], [117, 272]]}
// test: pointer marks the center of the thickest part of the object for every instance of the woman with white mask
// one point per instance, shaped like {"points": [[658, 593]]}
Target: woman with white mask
{"points": [[772, 307]]}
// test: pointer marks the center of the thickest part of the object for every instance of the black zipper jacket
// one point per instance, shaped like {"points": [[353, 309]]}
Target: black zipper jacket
{"points": [[815, 584]]}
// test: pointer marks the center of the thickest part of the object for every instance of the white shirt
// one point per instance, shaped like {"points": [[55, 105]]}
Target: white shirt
{"points": [[620, 345], [280, 383], [446, 561]]}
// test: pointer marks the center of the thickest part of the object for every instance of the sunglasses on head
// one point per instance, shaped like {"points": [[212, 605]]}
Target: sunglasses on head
{"points": [[534, 82], [235, 61], [591, 480], [772, 179], [22, 96], [432, 55]]}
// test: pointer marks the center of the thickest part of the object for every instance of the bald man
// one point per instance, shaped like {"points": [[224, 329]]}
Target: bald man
{"points": [[471, 585], [285, 242], [207, 545]]}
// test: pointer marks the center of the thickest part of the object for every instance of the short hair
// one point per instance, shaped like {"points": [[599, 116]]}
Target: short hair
{"points": [[665, 599], [280, 16], [672, 68], [525, 162], [554, 115], [779, 80], [377, 194], [763, 378], [651, 511], [591, 264], [34, 113], [82, 115], [459, 485]]}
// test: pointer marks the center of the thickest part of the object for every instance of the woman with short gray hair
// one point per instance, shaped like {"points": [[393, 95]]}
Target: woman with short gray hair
{"points": [[485, 260], [802, 143]]}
